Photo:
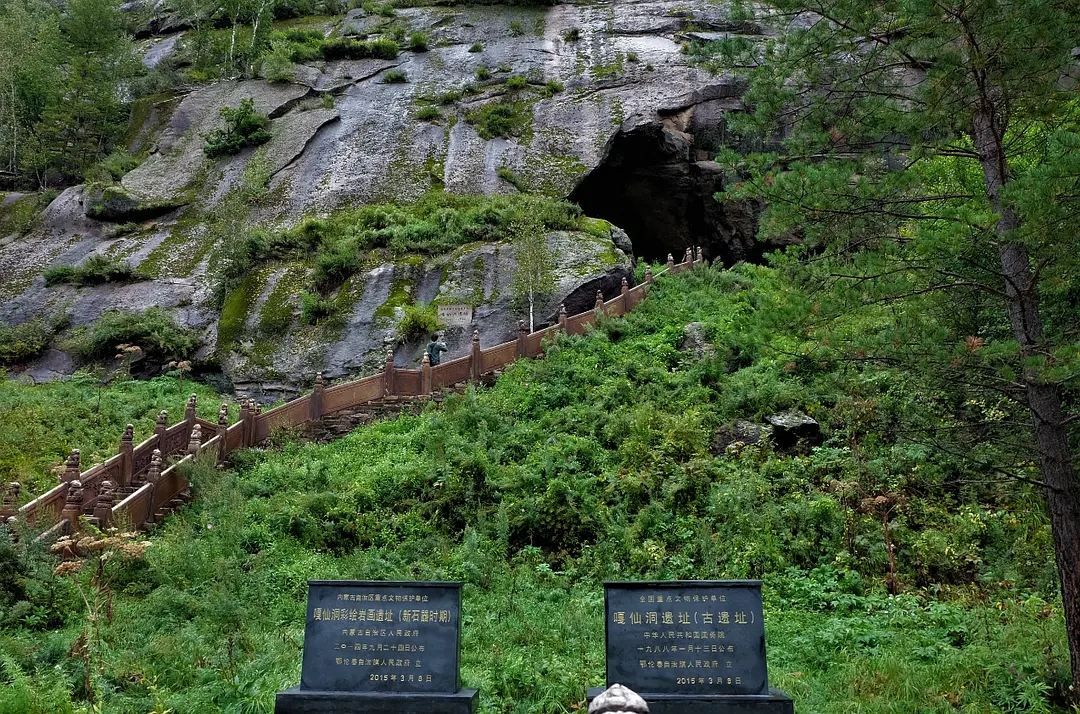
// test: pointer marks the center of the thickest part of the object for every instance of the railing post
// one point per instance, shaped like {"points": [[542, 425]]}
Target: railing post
{"points": [[104, 506], [244, 423], [195, 442], [670, 263], [648, 274], [688, 259], [222, 430], [10, 502], [625, 293], [126, 454], [476, 362], [72, 467], [160, 428], [425, 375], [388, 373], [317, 398], [73, 506], [153, 475], [599, 306], [189, 411], [700, 256], [522, 340]]}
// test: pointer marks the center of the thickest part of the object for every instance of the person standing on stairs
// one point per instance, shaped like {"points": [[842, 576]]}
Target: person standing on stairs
{"points": [[434, 350]]}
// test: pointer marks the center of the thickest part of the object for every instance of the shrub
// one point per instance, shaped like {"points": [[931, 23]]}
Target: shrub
{"points": [[552, 88], [572, 35], [418, 42], [454, 95], [483, 73], [470, 89], [313, 308], [476, 47], [153, 330], [243, 127], [632, 57], [506, 119], [348, 48], [96, 270], [511, 178], [517, 82], [335, 265], [395, 76], [112, 168], [21, 343], [516, 28], [418, 322], [428, 114]]}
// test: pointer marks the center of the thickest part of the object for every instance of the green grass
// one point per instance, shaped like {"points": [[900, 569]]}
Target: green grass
{"points": [[95, 270], [42, 424], [506, 118], [595, 463]]}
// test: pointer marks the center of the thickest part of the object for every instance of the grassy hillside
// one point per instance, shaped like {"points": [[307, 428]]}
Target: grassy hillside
{"points": [[601, 461]]}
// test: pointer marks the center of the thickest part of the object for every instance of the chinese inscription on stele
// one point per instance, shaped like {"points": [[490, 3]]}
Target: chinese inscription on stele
{"points": [[380, 646], [700, 641], [455, 315], [381, 637]]}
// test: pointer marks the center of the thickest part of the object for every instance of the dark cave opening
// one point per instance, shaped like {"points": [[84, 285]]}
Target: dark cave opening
{"points": [[658, 184]]}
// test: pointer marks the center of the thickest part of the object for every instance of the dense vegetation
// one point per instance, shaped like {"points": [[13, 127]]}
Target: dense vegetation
{"points": [[610, 458], [42, 424]]}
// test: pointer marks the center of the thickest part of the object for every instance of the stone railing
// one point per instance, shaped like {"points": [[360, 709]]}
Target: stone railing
{"points": [[143, 482]]}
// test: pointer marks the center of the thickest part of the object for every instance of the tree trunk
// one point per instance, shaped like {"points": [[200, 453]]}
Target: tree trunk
{"points": [[1045, 399]]}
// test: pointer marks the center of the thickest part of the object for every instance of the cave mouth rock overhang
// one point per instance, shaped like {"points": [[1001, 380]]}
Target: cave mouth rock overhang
{"points": [[657, 181]]}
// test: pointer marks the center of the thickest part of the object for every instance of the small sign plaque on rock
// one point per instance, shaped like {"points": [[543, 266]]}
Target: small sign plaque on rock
{"points": [[691, 647], [455, 315], [380, 647]]}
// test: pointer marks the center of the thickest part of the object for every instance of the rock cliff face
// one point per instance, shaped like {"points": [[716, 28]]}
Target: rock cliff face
{"points": [[613, 115]]}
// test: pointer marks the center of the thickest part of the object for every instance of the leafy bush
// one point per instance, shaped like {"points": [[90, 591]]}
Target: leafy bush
{"points": [[516, 28], [112, 168], [483, 73], [516, 82], [95, 270], [418, 42], [503, 118], [22, 343], [395, 76], [552, 88], [511, 178], [428, 114], [314, 309], [347, 48], [153, 330], [418, 322], [476, 47], [243, 127], [572, 35]]}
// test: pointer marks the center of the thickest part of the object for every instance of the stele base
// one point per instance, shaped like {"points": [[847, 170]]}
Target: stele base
{"points": [[775, 702], [306, 701]]}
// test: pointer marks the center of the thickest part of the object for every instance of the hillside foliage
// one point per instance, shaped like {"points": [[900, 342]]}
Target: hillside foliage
{"points": [[607, 459]]}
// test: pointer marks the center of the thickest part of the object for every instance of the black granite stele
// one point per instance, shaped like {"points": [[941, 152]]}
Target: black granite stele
{"points": [[690, 647], [377, 647]]}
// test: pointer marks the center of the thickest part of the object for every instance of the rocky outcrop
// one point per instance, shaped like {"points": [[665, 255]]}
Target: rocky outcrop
{"points": [[614, 116]]}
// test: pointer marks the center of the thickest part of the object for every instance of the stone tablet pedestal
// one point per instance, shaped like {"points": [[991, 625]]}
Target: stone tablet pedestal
{"points": [[299, 701], [775, 703], [690, 647], [380, 648]]}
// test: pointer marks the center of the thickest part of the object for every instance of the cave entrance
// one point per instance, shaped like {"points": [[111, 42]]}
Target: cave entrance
{"points": [[659, 187]]}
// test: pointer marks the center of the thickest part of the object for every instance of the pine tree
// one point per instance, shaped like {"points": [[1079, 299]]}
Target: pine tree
{"points": [[925, 151]]}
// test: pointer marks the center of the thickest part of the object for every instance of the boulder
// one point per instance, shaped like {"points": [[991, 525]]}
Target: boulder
{"points": [[695, 341], [792, 426], [743, 432]]}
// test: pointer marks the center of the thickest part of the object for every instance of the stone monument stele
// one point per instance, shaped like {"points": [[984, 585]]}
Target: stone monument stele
{"points": [[690, 646], [380, 648]]}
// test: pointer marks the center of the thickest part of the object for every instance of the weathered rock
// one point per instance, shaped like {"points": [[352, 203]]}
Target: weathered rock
{"points": [[792, 426], [476, 275], [633, 130], [695, 340], [618, 699], [743, 432], [114, 205]]}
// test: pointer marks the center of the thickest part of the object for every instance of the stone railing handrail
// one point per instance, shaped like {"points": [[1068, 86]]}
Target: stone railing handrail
{"points": [[133, 486]]}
